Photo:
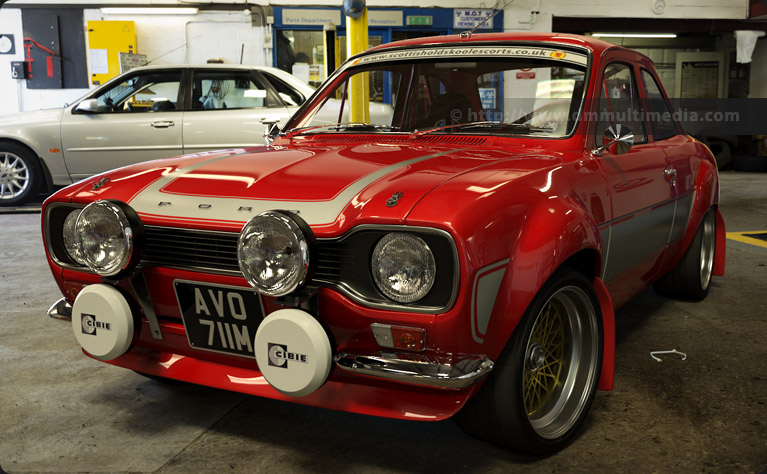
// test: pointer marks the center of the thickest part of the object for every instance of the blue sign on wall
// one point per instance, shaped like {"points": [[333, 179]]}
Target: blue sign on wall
{"points": [[487, 96]]}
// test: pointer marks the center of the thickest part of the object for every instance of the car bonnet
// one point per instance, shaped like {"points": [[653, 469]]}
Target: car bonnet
{"points": [[323, 184]]}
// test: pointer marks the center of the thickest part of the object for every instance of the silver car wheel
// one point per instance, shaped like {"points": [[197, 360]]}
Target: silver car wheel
{"points": [[707, 245], [14, 176], [561, 362]]}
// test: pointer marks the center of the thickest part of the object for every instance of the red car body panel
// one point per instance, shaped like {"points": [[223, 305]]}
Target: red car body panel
{"points": [[522, 205]]}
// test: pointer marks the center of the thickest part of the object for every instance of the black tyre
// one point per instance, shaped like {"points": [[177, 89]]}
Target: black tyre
{"points": [[541, 389], [722, 153], [20, 175], [691, 277]]}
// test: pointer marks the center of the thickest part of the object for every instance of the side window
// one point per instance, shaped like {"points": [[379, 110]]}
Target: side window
{"points": [[619, 102], [659, 114], [147, 92], [289, 96], [215, 90]]}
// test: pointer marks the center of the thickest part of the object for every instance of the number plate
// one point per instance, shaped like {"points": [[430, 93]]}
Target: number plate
{"points": [[219, 318]]}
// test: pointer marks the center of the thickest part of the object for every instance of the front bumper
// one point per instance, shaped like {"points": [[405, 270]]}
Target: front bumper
{"points": [[61, 310], [462, 373]]}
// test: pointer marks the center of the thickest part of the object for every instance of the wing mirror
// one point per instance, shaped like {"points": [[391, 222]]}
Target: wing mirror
{"points": [[621, 137], [88, 106], [272, 131]]}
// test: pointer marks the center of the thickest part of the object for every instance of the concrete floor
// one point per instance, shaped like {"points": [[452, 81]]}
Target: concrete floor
{"points": [[62, 412]]}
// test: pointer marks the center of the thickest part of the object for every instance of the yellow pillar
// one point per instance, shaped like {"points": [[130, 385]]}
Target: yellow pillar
{"points": [[356, 42]]}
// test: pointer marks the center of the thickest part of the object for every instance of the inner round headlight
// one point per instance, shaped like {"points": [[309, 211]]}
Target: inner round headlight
{"points": [[106, 236], [273, 253], [69, 237], [403, 267]]}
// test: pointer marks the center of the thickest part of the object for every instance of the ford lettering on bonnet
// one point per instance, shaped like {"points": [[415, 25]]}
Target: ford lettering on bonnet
{"points": [[450, 242]]}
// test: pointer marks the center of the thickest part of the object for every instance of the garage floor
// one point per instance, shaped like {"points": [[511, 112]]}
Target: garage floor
{"points": [[63, 412]]}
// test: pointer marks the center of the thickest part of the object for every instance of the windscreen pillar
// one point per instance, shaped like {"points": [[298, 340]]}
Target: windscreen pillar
{"points": [[330, 46], [357, 42]]}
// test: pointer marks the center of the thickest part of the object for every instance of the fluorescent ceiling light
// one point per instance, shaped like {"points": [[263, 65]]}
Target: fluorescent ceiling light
{"points": [[634, 35], [149, 11]]}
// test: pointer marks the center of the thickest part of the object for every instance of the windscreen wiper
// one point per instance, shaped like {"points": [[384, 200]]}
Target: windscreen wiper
{"points": [[516, 127], [340, 126]]}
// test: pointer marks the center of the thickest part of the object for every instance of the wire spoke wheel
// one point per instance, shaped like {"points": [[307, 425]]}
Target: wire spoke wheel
{"points": [[543, 383], [15, 176], [561, 362]]}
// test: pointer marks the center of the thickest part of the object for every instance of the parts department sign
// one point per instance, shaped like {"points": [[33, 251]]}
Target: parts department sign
{"points": [[467, 19]]}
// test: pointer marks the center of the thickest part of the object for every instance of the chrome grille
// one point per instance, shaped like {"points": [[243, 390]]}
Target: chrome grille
{"points": [[331, 257], [203, 251], [340, 263], [216, 252]]}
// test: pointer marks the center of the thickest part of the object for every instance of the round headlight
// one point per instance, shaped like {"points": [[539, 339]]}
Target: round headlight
{"points": [[69, 237], [106, 236], [273, 253], [403, 267]]}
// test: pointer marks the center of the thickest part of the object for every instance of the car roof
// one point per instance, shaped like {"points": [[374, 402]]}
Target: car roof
{"points": [[206, 66], [597, 46]]}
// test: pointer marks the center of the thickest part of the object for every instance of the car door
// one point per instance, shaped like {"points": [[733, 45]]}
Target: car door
{"points": [[678, 149], [229, 109], [642, 199], [138, 118]]}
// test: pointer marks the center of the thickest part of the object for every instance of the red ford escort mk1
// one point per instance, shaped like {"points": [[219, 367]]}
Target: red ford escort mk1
{"points": [[461, 257]]}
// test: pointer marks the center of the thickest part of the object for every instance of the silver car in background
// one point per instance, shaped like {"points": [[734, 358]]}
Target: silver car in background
{"points": [[146, 113]]}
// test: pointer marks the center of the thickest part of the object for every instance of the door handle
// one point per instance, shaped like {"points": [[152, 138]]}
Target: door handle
{"points": [[269, 120], [162, 124], [670, 174]]}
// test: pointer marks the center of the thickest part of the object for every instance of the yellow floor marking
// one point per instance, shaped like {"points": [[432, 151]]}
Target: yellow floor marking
{"points": [[750, 237]]}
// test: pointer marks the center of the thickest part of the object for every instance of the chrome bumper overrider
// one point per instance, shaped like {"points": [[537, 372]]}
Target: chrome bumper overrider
{"points": [[462, 374], [61, 310]]}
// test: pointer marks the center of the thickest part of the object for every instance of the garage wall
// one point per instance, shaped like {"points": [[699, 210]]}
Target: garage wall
{"points": [[10, 23], [163, 39], [189, 39], [728, 9]]}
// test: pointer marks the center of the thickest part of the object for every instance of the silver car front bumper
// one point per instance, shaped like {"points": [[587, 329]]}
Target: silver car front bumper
{"points": [[61, 310], [464, 373]]}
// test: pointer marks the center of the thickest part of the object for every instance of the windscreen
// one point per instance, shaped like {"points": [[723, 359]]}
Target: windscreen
{"points": [[488, 90]]}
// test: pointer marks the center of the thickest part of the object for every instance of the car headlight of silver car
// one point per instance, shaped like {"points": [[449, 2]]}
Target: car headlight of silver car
{"points": [[403, 267], [107, 233], [69, 237], [273, 252]]}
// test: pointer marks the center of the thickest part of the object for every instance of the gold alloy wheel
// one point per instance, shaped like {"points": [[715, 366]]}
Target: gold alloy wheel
{"points": [[543, 364], [561, 362]]}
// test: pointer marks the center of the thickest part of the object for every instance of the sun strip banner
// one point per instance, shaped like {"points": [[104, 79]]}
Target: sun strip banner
{"points": [[476, 52]]}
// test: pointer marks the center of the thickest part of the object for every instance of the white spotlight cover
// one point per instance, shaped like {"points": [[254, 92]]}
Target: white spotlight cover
{"points": [[102, 322], [293, 352]]}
